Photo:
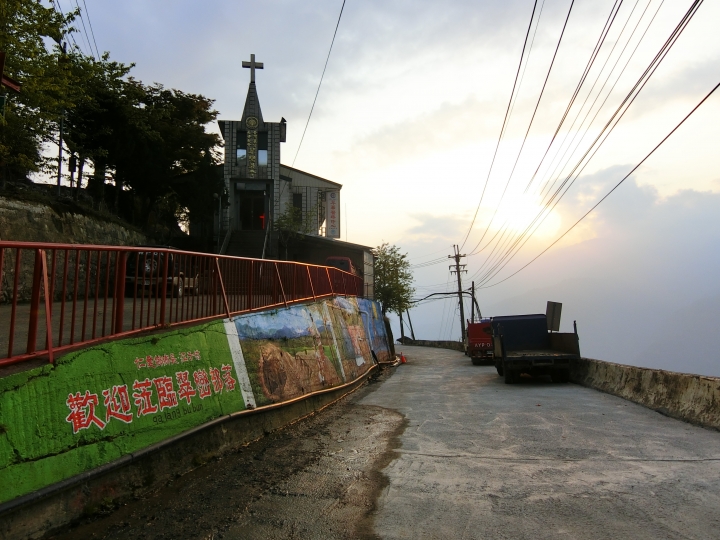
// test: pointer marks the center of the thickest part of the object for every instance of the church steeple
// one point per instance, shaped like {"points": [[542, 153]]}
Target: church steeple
{"points": [[252, 102]]}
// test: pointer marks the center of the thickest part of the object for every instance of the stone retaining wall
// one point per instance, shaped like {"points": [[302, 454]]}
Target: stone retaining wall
{"points": [[692, 398], [25, 221]]}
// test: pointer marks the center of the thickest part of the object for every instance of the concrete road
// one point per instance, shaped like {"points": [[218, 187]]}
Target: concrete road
{"points": [[481, 459]]}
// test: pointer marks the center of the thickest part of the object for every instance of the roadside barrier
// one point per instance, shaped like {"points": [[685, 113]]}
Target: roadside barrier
{"points": [[55, 298]]}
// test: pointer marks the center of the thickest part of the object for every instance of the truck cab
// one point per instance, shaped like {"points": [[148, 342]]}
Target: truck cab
{"points": [[479, 341]]}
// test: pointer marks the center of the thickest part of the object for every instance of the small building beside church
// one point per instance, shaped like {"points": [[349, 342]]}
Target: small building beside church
{"points": [[260, 190]]}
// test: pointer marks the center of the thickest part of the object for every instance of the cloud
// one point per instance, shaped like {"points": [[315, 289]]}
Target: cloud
{"points": [[651, 260]]}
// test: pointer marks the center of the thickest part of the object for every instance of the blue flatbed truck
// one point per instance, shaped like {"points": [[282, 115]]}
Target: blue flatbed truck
{"points": [[523, 344]]}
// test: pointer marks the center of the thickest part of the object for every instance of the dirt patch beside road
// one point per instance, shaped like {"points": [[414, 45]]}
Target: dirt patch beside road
{"points": [[318, 478]]}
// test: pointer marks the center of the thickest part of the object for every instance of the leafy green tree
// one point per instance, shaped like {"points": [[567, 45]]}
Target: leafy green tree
{"points": [[393, 279], [32, 116], [146, 140]]}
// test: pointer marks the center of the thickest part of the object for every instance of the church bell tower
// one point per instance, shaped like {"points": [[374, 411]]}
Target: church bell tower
{"points": [[252, 176]]}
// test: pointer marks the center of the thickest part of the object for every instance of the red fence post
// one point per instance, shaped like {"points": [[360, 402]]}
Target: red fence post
{"points": [[164, 288], [332, 289], [282, 288], [222, 287], [121, 264], [250, 285], [48, 304], [34, 303], [312, 287]]}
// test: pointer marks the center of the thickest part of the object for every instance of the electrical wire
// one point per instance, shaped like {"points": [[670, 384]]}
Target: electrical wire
{"points": [[87, 38], [87, 14], [612, 190], [502, 129], [59, 9], [594, 147], [593, 55], [544, 190], [320, 83], [605, 100], [532, 119]]}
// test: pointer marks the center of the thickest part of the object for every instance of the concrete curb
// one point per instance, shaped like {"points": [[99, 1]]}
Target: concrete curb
{"points": [[692, 398]]}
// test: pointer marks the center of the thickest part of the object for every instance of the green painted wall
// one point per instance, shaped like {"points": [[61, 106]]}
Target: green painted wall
{"points": [[101, 403]]}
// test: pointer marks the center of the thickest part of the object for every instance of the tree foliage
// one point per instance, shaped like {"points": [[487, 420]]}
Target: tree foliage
{"points": [[31, 117], [147, 142], [393, 279]]}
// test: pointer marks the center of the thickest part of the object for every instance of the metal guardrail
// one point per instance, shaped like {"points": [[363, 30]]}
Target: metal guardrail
{"points": [[55, 298]]}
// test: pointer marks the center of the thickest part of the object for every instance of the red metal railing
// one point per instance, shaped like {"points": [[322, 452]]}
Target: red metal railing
{"points": [[58, 297]]}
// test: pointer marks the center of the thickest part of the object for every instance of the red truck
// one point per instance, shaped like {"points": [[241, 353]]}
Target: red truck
{"points": [[479, 342]]}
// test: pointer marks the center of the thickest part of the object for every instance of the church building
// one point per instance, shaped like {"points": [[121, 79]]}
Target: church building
{"points": [[261, 191]]}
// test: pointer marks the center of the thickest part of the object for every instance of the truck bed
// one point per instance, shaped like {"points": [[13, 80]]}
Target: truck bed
{"points": [[538, 354]]}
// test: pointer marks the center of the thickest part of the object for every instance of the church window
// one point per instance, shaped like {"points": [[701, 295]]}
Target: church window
{"points": [[262, 148], [241, 147]]}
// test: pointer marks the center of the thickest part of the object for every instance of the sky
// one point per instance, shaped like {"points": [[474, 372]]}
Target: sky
{"points": [[408, 119]]}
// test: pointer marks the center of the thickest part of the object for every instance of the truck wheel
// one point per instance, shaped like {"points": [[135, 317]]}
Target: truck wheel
{"points": [[499, 369], [510, 376]]}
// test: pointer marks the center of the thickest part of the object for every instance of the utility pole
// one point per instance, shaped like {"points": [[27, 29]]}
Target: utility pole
{"points": [[459, 269], [412, 332], [13, 85], [472, 304], [60, 137]]}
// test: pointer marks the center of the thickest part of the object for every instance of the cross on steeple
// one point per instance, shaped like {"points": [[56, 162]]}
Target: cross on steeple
{"points": [[253, 65]]}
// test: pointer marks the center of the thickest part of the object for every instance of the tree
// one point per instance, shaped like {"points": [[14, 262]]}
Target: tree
{"points": [[32, 116], [147, 140], [393, 279], [291, 225]]}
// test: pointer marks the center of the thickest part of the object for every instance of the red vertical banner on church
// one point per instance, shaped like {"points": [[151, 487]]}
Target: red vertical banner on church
{"points": [[332, 214]]}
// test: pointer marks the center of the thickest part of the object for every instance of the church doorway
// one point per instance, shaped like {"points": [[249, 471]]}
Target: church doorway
{"points": [[252, 210]]}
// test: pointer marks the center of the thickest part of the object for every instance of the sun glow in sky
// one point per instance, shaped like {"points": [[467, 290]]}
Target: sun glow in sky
{"points": [[408, 120]]}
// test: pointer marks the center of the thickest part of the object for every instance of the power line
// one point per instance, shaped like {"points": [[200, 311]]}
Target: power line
{"points": [[591, 122], [613, 189], [320, 83], [59, 9], [554, 200], [532, 119], [627, 63], [654, 65], [87, 14], [593, 55], [87, 38], [502, 129]]}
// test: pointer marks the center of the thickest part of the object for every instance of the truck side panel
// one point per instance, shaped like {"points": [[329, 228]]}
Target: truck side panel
{"points": [[522, 331]]}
